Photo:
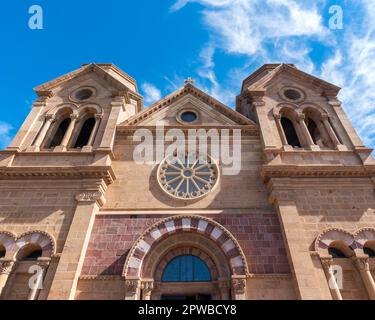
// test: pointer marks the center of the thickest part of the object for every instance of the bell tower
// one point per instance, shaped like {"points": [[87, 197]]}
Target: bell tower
{"points": [[312, 157]]}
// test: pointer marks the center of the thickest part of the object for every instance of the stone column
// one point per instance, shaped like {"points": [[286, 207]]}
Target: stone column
{"points": [[68, 134], [238, 288], [38, 285], [332, 134], [224, 289], [64, 284], [306, 133], [42, 133], [327, 263], [98, 118], [147, 287], [6, 268], [280, 128], [306, 284], [132, 289], [363, 266]]}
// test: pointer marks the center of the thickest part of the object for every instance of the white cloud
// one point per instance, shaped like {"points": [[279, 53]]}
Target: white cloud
{"points": [[266, 31], [151, 93], [5, 134]]}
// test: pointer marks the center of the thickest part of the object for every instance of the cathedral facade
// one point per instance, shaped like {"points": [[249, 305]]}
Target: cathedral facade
{"points": [[81, 219]]}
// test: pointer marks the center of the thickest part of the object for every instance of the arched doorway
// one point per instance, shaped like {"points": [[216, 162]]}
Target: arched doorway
{"points": [[189, 242]]}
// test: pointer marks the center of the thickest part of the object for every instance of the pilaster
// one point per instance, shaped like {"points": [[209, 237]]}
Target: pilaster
{"points": [[71, 262]]}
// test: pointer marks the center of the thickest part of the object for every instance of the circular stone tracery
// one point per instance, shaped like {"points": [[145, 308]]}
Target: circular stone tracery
{"points": [[189, 177]]}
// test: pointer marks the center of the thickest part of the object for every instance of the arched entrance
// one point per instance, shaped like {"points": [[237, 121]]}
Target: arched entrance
{"points": [[207, 243]]}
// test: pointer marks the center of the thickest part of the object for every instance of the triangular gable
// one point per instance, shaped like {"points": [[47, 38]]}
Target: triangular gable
{"points": [[191, 94], [263, 76], [108, 72]]}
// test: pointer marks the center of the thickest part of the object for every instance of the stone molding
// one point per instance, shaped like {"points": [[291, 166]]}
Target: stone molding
{"points": [[79, 172], [174, 97], [185, 223], [354, 240], [46, 241]]}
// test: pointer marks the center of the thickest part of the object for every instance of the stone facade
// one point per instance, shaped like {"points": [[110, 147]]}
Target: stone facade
{"points": [[80, 219]]}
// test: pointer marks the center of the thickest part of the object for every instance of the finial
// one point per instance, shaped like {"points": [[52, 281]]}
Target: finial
{"points": [[189, 81]]}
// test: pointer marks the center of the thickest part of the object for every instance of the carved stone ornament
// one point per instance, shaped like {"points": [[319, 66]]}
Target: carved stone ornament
{"points": [[239, 285], [6, 267], [132, 285], [88, 196], [362, 263], [327, 262], [147, 286]]}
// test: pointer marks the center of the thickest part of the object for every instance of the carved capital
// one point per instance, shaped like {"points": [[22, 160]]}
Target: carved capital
{"points": [[74, 116], [362, 263], [50, 117], [89, 196], [327, 262], [98, 116], [239, 285], [301, 117], [147, 287], [6, 266], [132, 286]]}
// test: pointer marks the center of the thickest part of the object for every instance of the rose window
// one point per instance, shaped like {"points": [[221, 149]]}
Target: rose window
{"points": [[187, 178]]}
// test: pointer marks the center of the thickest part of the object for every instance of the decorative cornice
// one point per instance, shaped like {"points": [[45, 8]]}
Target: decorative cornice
{"points": [[79, 172], [177, 95], [101, 278], [270, 171]]}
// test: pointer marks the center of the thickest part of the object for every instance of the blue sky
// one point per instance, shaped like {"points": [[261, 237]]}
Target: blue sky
{"points": [[160, 43]]}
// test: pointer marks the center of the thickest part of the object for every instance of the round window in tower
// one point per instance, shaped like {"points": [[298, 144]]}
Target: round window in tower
{"points": [[83, 94], [292, 94], [188, 177]]}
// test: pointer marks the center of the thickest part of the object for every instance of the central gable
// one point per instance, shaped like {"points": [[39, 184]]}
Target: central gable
{"points": [[208, 110]]}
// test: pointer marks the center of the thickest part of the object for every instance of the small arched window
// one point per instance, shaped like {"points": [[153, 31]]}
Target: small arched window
{"points": [[30, 252], [336, 253], [186, 268], [369, 251], [2, 251], [85, 133], [290, 133], [59, 133]]}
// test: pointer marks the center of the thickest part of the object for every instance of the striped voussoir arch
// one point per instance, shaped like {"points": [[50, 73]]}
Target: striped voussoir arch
{"points": [[193, 224]]}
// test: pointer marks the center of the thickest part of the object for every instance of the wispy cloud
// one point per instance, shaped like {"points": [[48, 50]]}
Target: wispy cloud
{"points": [[151, 93], [5, 134], [264, 31]]}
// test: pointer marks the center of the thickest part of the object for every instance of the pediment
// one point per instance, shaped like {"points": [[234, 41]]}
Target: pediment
{"points": [[266, 76], [210, 111]]}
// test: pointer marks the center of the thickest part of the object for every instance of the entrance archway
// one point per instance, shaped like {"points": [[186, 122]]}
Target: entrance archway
{"points": [[186, 235]]}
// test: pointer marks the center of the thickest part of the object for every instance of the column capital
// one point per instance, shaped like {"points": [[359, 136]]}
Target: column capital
{"points": [[98, 116], [74, 116], [147, 287], [239, 285], [362, 263], [327, 262], [50, 117], [91, 196], [301, 117], [6, 266], [132, 286]]}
